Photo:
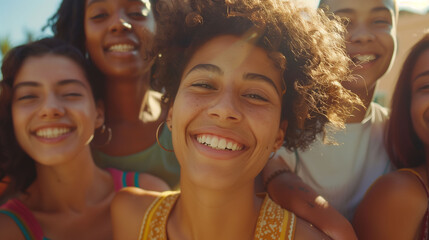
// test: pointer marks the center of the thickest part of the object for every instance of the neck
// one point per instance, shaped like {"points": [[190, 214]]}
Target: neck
{"points": [[72, 186], [124, 98], [215, 214], [366, 96]]}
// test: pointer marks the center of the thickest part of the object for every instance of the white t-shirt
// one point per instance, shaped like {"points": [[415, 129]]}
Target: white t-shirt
{"points": [[342, 173]]}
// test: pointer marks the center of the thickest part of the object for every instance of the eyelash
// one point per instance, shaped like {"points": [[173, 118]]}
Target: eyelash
{"points": [[252, 96], [99, 16], [256, 97], [26, 97], [203, 85]]}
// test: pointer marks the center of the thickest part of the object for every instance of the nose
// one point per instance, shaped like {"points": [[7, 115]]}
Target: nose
{"points": [[360, 33], [120, 24], [51, 108], [225, 108]]}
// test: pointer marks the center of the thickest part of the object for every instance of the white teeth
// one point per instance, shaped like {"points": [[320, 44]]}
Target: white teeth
{"points": [[364, 58], [121, 48], [222, 144], [52, 132], [218, 143]]}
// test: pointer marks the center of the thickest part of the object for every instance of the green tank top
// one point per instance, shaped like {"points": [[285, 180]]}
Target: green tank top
{"points": [[153, 160]]}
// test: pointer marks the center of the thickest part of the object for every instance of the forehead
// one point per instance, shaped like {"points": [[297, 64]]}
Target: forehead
{"points": [[232, 52], [49, 69], [360, 6]]}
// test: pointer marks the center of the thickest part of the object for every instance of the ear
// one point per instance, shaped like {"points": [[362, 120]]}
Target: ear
{"points": [[99, 118], [169, 118], [280, 135]]}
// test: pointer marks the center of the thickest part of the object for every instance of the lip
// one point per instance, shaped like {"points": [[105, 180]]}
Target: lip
{"points": [[63, 132]]}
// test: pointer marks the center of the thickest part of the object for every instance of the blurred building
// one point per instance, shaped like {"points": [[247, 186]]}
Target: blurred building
{"points": [[411, 27]]}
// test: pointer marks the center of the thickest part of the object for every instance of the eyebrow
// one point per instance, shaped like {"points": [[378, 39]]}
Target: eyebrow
{"points": [[60, 83], [71, 81], [95, 1], [90, 2], [26, 84], [425, 73], [351, 10], [256, 76], [206, 67]]}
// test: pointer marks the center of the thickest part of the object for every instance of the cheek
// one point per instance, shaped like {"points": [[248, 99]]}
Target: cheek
{"points": [[20, 126], [389, 41], [419, 112]]}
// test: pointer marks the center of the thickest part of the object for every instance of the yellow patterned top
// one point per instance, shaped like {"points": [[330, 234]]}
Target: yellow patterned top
{"points": [[274, 223]]}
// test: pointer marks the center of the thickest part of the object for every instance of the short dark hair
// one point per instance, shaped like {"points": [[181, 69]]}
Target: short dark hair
{"points": [[14, 162], [403, 145], [304, 43]]}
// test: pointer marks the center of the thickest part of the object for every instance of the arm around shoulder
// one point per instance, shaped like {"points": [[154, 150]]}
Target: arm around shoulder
{"points": [[392, 208], [304, 230], [290, 192], [127, 211]]}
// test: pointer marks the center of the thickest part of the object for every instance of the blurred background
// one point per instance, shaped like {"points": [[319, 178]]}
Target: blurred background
{"points": [[22, 21]]}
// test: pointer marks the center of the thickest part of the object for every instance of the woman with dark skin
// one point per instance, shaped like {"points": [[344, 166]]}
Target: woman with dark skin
{"points": [[117, 36]]}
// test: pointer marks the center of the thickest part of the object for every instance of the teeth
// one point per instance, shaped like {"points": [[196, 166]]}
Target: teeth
{"points": [[52, 132], [121, 48], [219, 143], [364, 58]]}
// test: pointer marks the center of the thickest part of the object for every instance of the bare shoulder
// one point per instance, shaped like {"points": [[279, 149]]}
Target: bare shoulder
{"points": [[304, 230], [134, 199], [9, 230], [150, 182], [128, 209], [393, 197], [399, 187]]}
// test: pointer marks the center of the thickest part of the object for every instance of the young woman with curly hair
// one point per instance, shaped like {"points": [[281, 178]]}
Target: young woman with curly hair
{"points": [[241, 78]]}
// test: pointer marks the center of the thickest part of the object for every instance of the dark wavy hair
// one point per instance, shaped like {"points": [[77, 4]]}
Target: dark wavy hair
{"points": [[14, 162], [403, 145], [304, 43], [68, 24]]}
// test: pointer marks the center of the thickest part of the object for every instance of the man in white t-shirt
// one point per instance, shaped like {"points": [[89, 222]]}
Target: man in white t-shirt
{"points": [[325, 180]]}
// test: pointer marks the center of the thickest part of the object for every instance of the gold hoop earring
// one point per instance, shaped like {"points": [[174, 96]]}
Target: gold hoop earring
{"points": [[157, 139], [109, 135]]}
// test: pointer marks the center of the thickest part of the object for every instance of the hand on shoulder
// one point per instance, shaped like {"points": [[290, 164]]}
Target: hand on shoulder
{"points": [[304, 230]]}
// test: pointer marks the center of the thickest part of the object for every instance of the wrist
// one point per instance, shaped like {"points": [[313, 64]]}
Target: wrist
{"points": [[274, 175]]}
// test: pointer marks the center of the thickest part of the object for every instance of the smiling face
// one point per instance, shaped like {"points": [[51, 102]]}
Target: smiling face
{"points": [[119, 36], [53, 110], [226, 115], [420, 98], [371, 37]]}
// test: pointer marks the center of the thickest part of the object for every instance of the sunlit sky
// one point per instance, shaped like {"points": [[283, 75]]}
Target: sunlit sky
{"points": [[20, 16]]}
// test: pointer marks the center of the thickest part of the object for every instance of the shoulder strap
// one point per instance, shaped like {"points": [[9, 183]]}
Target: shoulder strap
{"points": [[274, 222], [23, 217], [124, 179], [154, 222]]}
